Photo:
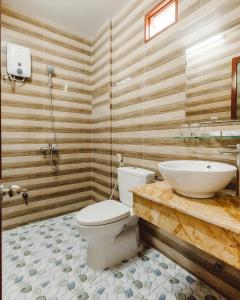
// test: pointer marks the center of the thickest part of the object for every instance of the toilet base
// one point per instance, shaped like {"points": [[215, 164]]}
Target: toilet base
{"points": [[111, 252]]}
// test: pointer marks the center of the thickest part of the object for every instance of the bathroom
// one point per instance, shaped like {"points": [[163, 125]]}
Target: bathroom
{"points": [[112, 96]]}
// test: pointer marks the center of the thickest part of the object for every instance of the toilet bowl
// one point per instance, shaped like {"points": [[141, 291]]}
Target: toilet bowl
{"points": [[110, 227]]}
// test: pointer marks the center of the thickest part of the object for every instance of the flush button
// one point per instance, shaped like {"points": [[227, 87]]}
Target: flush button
{"points": [[19, 71], [19, 64]]}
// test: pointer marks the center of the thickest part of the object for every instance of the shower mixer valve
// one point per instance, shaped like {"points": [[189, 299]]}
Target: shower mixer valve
{"points": [[50, 148]]}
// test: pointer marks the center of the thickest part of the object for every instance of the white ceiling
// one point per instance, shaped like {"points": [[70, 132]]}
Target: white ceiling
{"points": [[81, 16]]}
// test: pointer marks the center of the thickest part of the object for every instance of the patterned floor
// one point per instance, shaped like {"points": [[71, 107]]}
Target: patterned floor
{"points": [[46, 260]]}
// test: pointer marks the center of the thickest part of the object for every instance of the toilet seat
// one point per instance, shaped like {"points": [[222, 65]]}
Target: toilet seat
{"points": [[104, 212]]}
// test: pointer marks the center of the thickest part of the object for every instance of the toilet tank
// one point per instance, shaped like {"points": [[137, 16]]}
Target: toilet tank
{"points": [[130, 177]]}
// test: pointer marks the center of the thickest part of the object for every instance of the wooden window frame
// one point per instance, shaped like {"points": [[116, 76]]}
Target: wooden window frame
{"points": [[235, 62], [161, 6]]}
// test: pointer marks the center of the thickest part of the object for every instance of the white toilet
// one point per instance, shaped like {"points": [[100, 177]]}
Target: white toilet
{"points": [[110, 227]]}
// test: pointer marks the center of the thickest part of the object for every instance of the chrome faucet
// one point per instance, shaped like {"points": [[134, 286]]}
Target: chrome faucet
{"points": [[237, 152]]}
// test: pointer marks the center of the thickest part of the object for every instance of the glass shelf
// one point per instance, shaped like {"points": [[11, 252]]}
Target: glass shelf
{"points": [[227, 137]]}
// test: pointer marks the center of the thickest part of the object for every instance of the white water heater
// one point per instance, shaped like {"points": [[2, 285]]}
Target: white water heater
{"points": [[18, 61]]}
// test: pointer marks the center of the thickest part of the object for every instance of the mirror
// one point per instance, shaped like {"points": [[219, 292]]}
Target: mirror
{"points": [[213, 79], [235, 108]]}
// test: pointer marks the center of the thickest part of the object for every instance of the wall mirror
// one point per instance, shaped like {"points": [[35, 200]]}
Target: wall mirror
{"points": [[235, 99], [212, 79]]}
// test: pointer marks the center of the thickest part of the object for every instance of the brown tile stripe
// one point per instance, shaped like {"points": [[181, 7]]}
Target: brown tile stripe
{"points": [[16, 153], [21, 116], [103, 194], [127, 37], [191, 9], [36, 141], [100, 77], [163, 92], [59, 183], [139, 127], [99, 68], [99, 56], [24, 212], [210, 80], [99, 104], [179, 106], [101, 171], [98, 181], [37, 129], [39, 95], [101, 90], [167, 141], [102, 161], [117, 33], [6, 10], [12, 128], [203, 111], [60, 65], [39, 36], [212, 98], [208, 91], [102, 44], [47, 215], [57, 86], [100, 33], [170, 56], [45, 174], [46, 162], [197, 72], [17, 104]]}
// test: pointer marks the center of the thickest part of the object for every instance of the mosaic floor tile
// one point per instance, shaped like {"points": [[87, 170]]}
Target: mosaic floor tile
{"points": [[47, 261]]}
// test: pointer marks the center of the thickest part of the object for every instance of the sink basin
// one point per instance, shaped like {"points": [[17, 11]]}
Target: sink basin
{"points": [[196, 178]]}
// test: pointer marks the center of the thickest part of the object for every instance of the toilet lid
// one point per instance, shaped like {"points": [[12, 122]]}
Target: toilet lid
{"points": [[104, 212]]}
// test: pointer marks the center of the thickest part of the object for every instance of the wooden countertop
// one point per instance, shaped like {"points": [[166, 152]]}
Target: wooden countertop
{"points": [[222, 210]]}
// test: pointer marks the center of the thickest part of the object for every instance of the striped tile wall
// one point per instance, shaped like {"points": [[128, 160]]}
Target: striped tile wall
{"points": [[124, 96], [26, 121], [101, 114], [151, 85]]}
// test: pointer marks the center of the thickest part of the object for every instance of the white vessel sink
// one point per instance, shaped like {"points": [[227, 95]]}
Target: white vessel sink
{"points": [[196, 178]]}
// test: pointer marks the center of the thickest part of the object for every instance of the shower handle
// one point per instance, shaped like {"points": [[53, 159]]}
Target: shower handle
{"points": [[44, 150], [49, 148]]}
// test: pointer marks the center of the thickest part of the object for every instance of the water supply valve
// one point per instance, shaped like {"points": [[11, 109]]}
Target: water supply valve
{"points": [[25, 196]]}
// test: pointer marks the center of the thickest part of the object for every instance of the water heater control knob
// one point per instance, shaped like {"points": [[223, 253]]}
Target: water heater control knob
{"points": [[19, 71]]}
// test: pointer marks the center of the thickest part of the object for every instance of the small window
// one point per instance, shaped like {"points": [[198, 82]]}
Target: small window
{"points": [[160, 18]]}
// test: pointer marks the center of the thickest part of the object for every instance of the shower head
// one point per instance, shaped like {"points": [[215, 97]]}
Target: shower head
{"points": [[50, 70]]}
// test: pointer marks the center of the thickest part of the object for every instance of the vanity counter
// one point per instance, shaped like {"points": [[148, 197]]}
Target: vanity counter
{"points": [[213, 225]]}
